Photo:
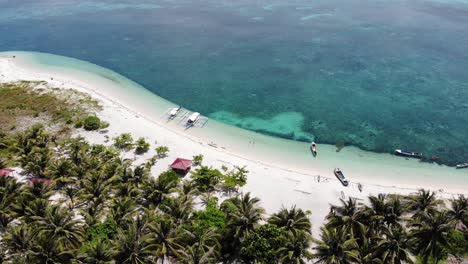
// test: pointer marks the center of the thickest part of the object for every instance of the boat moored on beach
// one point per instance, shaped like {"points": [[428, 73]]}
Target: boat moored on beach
{"points": [[174, 112], [462, 166], [410, 154], [339, 174], [192, 119], [313, 148]]}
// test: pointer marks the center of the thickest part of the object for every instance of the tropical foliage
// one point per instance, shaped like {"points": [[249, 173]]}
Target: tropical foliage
{"points": [[85, 204]]}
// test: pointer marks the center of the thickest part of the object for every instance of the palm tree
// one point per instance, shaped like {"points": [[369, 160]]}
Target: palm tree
{"points": [[203, 248], [335, 247], [430, 235], [135, 177], [246, 215], [348, 217], [49, 251], [94, 190], [459, 212], [60, 225], [197, 254], [70, 194], [9, 189], [296, 249], [37, 189], [383, 211], [77, 148], [97, 253], [187, 188], [243, 218], [20, 240], [178, 208], [293, 220], [132, 245], [165, 238], [62, 170], [6, 211], [393, 247], [156, 190], [122, 210], [36, 161], [28, 210], [422, 202], [366, 252]]}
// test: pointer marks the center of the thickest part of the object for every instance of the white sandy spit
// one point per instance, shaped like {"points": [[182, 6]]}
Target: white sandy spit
{"points": [[276, 185]]}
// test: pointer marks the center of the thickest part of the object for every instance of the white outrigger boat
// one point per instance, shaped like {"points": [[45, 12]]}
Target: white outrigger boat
{"points": [[192, 119], [463, 165], [174, 112], [313, 148]]}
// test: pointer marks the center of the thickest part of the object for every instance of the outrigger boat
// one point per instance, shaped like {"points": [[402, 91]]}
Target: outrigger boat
{"points": [[410, 154], [339, 174], [174, 112], [463, 165], [313, 148], [192, 119]]}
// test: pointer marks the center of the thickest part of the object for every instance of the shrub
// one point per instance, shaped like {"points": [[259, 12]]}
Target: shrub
{"points": [[206, 178], [104, 125], [162, 151], [234, 179], [91, 123], [141, 146], [197, 160], [124, 141]]}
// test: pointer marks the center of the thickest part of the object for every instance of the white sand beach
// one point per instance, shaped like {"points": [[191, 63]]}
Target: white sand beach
{"points": [[281, 172]]}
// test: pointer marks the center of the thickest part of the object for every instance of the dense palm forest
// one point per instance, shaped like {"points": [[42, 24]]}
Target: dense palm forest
{"points": [[83, 203]]}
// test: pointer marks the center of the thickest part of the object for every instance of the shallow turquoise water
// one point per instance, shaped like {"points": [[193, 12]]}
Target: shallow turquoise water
{"points": [[377, 74]]}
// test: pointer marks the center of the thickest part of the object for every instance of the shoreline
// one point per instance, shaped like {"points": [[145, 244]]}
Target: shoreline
{"points": [[277, 177]]}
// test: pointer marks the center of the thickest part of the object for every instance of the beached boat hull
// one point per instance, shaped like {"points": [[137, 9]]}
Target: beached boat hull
{"points": [[462, 166], [313, 148], [409, 154]]}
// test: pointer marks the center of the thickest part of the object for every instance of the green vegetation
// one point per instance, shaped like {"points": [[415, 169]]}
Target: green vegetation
{"points": [[124, 141], [91, 123], [162, 151], [197, 159], [32, 102], [141, 146], [206, 178], [112, 211], [393, 228]]}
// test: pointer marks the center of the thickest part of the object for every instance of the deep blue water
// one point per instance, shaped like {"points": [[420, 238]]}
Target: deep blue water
{"points": [[377, 74]]}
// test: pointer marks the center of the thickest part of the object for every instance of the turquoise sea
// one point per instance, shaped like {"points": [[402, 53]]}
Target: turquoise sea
{"points": [[376, 74]]}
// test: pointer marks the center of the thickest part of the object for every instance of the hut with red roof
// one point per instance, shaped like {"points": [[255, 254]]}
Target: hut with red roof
{"points": [[181, 166]]}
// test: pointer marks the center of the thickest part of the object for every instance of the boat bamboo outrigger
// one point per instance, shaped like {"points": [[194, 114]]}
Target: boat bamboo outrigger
{"points": [[339, 174], [192, 119], [174, 112], [313, 148], [410, 154], [463, 165]]}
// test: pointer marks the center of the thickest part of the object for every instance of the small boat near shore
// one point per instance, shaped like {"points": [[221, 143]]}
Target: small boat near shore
{"points": [[174, 112], [339, 174], [313, 148], [410, 154], [462, 166], [192, 119]]}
